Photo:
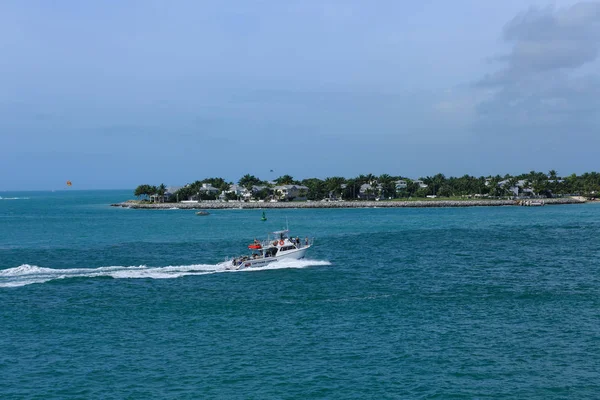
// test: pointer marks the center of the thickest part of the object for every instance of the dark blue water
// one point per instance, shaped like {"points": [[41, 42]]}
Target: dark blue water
{"points": [[101, 302]]}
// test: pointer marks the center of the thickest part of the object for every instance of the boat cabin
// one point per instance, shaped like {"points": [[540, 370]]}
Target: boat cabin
{"points": [[277, 245]]}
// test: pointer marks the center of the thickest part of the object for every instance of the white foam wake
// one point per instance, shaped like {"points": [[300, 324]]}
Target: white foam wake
{"points": [[14, 198], [27, 274]]}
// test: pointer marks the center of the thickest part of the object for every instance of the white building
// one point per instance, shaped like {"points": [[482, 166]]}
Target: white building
{"points": [[401, 184], [291, 192]]}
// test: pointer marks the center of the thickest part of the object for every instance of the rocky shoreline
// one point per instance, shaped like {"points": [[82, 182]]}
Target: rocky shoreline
{"points": [[216, 205]]}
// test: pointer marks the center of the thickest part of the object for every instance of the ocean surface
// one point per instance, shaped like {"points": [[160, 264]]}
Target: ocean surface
{"points": [[462, 303]]}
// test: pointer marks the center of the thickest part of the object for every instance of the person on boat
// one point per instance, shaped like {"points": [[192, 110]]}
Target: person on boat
{"points": [[306, 241], [256, 241]]}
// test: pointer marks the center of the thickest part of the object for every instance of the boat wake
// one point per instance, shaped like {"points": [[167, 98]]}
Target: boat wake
{"points": [[28, 274]]}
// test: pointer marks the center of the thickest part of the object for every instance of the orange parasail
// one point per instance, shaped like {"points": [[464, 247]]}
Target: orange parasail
{"points": [[69, 183]]}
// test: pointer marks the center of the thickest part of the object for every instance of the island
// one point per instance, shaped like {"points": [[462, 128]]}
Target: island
{"points": [[222, 205], [370, 191]]}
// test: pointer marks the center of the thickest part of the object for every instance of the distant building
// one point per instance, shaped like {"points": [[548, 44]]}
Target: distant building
{"points": [[367, 191], [169, 193], [401, 184], [258, 188], [291, 192], [236, 190], [171, 190], [208, 188], [521, 187]]}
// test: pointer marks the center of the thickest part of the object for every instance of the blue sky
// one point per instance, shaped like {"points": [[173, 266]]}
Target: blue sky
{"points": [[119, 93]]}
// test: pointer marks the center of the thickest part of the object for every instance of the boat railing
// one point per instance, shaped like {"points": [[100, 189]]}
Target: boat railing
{"points": [[306, 241], [274, 241]]}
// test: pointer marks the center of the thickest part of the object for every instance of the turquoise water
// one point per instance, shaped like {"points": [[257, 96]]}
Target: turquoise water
{"points": [[490, 302]]}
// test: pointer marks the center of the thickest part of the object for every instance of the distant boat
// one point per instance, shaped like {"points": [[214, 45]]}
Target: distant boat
{"points": [[264, 217], [275, 248], [202, 213], [532, 203]]}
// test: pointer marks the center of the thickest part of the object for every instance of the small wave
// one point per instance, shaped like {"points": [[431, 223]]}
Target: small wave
{"points": [[14, 198], [28, 274]]}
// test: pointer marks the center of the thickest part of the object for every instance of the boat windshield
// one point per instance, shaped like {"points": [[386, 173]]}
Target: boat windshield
{"points": [[281, 234]]}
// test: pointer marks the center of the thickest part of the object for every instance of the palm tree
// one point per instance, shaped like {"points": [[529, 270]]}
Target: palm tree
{"points": [[160, 191], [512, 183], [248, 181], [285, 180], [153, 191], [385, 178], [140, 191], [334, 185], [371, 179]]}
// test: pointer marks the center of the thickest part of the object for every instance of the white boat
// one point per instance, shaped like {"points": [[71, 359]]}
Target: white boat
{"points": [[278, 246], [532, 203]]}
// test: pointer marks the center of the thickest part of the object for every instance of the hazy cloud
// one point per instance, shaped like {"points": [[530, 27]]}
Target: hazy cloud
{"points": [[543, 83], [545, 40]]}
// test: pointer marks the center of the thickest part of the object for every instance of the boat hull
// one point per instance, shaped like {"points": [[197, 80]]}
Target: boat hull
{"points": [[261, 262]]}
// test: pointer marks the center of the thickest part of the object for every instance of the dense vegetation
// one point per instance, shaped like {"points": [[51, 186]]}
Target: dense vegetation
{"points": [[384, 186]]}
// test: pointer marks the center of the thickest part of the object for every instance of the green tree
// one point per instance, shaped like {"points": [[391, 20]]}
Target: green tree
{"points": [[385, 178], [143, 191], [495, 190], [285, 180], [218, 183], [388, 189], [445, 190], [421, 192], [231, 196], [160, 192], [248, 181], [154, 190], [263, 194], [350, 192], [334, 187], [412, 188], [316, 189]]}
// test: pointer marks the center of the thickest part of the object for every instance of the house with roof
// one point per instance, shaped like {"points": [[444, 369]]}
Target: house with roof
{"points": [[167, 196], [522, 186], [236, 189], [233, 190], [171, 192], [209, 189], [368, 191], [254, 191], [258, 188], [514, 190], [291, 192], [206, 189], [401, 184]]}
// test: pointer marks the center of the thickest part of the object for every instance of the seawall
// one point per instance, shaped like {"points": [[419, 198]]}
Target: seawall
{"points": [[216, 205]]}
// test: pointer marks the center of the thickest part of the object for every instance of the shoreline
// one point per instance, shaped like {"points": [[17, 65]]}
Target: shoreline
{"points": [[216, 205]]}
